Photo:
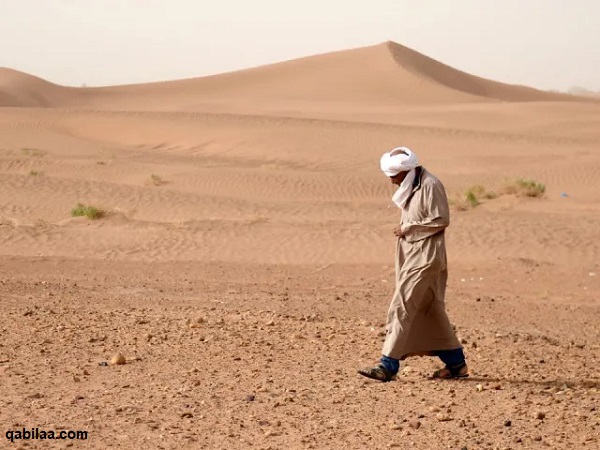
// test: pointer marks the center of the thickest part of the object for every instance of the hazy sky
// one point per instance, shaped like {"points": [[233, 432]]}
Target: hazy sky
{"points": [[549, 44]]}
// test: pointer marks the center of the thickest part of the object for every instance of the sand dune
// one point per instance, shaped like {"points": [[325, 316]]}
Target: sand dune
{"points": [[387, 75], [20, 89], [291, 190]]}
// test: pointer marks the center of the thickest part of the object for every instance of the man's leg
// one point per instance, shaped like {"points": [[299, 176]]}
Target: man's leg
{"points": [[386, 370], [396, 331], [392, 365], [454, 360], [388, 367]]}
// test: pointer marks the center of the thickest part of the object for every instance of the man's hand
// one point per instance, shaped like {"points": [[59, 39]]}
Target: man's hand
{"points": [[398, 231]]}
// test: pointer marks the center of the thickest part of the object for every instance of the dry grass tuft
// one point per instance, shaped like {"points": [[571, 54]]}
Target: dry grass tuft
{"points": [[91, 212], [471, 198], [35, 152], [524, 188], [156, 180]]}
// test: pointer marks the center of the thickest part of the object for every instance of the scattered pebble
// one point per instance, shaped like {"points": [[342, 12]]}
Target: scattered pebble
{"points": [[443, 417], [415, 424], [118, 359]]}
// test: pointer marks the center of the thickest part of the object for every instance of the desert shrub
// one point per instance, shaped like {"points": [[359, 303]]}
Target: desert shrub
{"points": [[90, 212], [471, 198], [522, 187], [156, 180], [35, 152]]}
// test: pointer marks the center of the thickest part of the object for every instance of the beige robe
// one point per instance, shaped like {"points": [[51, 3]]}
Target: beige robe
{"points": [[417, 323]]}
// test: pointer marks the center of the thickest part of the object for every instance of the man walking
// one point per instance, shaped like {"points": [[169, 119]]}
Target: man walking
{"points": [[417, 323]]}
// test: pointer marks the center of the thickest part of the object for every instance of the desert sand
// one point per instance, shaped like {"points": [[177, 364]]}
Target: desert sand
{"points": [[243, 263]]}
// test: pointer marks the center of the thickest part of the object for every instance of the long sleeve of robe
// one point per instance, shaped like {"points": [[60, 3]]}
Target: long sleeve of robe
{"points": [[417, 323], [433, 214]]}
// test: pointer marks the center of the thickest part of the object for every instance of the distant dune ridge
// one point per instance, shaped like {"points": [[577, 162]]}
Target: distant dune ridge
{"points": [[577, 90], [22, 90], [386, 74]]}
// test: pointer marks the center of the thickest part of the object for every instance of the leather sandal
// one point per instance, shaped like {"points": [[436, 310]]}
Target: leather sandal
{"points": [[460, 371], [378, 373]]}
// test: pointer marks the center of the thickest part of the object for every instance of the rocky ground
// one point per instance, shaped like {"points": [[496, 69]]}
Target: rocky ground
{"points": [[222, 357]]}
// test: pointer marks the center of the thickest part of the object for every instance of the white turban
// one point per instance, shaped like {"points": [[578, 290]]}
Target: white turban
{"points": [[400, 159]]}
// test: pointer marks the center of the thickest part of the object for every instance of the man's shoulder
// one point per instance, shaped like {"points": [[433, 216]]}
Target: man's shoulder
{"points": [[430, 180]]}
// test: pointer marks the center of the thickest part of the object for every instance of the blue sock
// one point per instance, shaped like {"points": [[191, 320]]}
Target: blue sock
{"points": [[391, 365], [452, 358]]}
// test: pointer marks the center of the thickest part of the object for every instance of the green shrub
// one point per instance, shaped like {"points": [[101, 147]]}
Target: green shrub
{"points": [[90, 212]]}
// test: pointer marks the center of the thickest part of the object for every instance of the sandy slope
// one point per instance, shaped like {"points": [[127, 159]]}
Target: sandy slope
{"points": [[267, 204], [232, 186], [387, 75]]}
